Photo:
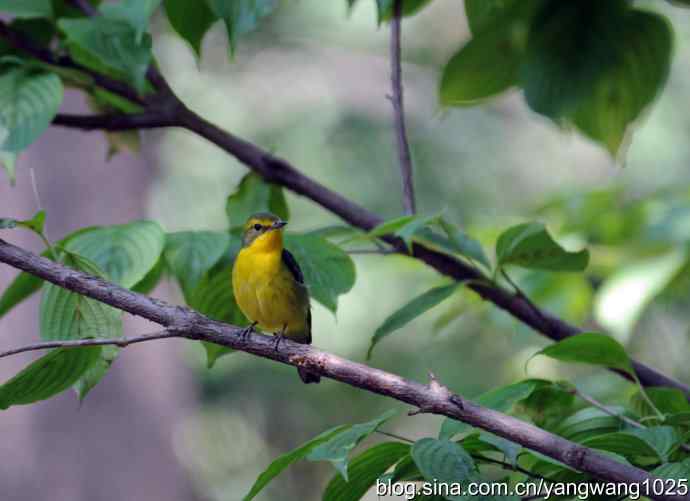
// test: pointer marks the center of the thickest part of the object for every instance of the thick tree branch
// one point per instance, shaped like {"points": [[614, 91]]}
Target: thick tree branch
{"points": [[164, 109], [432, 398], [404, 156]]}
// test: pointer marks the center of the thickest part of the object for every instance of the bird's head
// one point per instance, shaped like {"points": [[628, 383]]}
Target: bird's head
{"points": [[263, 231]]}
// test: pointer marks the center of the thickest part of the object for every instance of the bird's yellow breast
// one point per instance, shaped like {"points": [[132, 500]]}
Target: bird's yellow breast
{"points": [[267, 292]]}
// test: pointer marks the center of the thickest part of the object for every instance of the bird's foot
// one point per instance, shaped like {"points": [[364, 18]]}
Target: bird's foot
{"points": [[279, 336], [246, 331]]}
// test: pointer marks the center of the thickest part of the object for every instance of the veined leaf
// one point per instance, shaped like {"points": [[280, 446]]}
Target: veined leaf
{"points": [[110, 46], [364, 470], [337, 448], [442, 461], [48, 376], [29, 100], [65, 314], [410, 311], [26, 284], [126, 253], [190, 254], [328, 271]]}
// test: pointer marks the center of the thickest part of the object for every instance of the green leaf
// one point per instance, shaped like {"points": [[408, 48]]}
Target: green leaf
{"points": [[36, 223], [240, 16], [337, 448], [510, 450], [26, 284], [464, 244], [529, 245], [596, 65], [442, 461], [409, 8], [29, 100], [136, 13], [110, 46], [191, 19], [254, 195], [328, 270], [590, 422], [279, 464], [48, 376], [7, 223], [64, 314], [404, 227], [27, 8], [152, 278], [499, 399], [666, 400], [419, 305], [214, 297], [190, 254], [126, 253], [364, 470], [484, 67], [650, 442], [677, 471], [590, 348]]}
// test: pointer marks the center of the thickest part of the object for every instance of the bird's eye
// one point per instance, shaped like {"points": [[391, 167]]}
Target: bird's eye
{"points": [[257, 226]]}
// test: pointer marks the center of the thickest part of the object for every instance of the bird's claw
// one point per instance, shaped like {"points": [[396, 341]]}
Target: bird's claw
{"points": [[247, 331]]}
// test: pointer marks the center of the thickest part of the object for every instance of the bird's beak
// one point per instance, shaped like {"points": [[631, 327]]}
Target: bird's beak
{"points": [[278, 224]]}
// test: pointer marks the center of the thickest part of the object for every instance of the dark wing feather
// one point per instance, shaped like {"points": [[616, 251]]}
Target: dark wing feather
{"points": [[294, 268]]}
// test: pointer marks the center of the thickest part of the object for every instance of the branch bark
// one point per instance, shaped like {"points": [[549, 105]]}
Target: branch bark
{"points": [[432, 398], [164, 109], [404, 156]]}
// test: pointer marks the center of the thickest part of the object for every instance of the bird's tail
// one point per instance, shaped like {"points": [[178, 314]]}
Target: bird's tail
{"points": [[308, 376]]}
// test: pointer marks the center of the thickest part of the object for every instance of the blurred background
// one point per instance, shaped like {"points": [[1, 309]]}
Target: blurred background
{"points": [[310, 85]]}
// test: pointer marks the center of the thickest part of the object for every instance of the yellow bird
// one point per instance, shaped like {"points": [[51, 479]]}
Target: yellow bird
{"points": [[269, 286]]}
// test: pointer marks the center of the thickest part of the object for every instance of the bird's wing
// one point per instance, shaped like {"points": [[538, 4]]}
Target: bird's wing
{"points": [[296, 272]]}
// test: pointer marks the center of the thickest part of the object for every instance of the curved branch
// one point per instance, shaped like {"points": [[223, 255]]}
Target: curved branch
{"points": [[404, 156], [432, 398], [164, 109]]}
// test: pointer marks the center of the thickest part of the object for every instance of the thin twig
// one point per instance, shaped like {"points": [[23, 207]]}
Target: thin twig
{"points": [[397, 437], [595, 403], [509, 466], [75, 343], [404, 156]]}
